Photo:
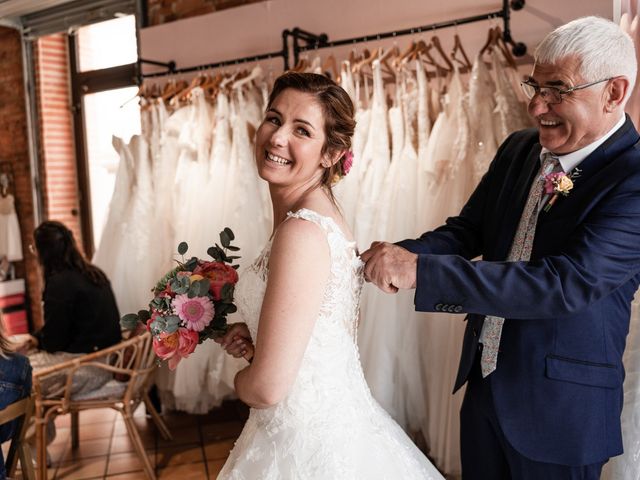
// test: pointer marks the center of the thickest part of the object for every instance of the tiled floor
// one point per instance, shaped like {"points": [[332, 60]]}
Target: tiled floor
{"points": [[198, 450]]}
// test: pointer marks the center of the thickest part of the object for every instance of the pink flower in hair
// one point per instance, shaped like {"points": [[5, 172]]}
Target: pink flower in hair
{"points": [[347, 163]]}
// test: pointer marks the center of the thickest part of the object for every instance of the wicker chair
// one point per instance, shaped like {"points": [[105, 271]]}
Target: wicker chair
{"points": [[132, 363], [22, 409]]}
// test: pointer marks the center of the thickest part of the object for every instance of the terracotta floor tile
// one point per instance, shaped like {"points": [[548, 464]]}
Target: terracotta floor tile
{"points": [[218, 450], [87, 449], [180, 436], [57, 451], [63, 421], [147, 432], [94, 431], [214, 467], [191, 471], [127, 462], [97, 415], [170, 456], [128, 476], [221, 431], [82, 469], [63, 434], [123, 444], [179, 420]]}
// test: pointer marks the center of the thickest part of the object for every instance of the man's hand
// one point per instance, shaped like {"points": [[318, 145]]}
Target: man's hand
{"points": [[390, 267]]}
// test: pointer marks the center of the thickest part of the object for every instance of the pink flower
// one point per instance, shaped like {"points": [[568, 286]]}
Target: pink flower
{"points": [[175, 346], [347, 163], [196, 312]]}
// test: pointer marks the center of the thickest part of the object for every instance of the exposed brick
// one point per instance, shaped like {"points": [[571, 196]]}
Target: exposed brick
{"points": [[14, 150]]}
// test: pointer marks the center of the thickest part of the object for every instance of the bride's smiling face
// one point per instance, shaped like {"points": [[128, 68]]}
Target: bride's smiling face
{"points": [[290, 140]]}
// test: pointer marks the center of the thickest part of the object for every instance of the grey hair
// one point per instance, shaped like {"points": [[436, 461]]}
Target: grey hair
{"points": [[603, 49]]}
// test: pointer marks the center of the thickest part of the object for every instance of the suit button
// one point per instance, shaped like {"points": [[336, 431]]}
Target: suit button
{"points": [[451, 308], [439, 307], [458, 309], [445, 307]]}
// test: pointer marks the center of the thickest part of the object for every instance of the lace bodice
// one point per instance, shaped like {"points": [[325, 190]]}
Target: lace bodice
{"points": [[328, 426]]}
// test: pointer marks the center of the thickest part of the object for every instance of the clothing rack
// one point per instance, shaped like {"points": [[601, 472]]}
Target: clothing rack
{"points": [[313, 42]]}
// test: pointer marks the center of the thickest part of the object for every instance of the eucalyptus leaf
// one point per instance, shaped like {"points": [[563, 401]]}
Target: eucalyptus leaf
{"points": [[144, 315], [129, 321], [224, 238], [232, 308], [182, 248], [233, 249], [204, 285], [229, 233]]}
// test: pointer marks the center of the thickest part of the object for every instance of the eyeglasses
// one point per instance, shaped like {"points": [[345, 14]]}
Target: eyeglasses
{"points": [[554, 95]]}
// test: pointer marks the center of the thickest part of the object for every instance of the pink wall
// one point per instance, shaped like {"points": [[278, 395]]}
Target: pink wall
{"points": [[256, 28]]}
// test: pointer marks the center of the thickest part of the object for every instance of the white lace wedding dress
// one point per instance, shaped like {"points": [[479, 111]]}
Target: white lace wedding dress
{"points": [[329, 426]]}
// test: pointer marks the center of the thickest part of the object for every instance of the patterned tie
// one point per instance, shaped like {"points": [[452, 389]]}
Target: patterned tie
{"points": [[520, 251]]}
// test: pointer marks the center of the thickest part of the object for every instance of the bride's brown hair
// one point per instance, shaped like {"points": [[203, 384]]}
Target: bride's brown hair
{"points": [[337, 107]]}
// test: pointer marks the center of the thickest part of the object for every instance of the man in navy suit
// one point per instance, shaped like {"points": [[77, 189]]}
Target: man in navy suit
{"points": [[549, 303]]}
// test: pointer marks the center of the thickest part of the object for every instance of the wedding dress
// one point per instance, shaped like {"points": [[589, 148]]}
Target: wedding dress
{"points": [[329, 426], [10, 243]]}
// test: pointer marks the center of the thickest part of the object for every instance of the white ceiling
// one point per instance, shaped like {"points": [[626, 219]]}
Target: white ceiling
{"points": [[10, 9]]}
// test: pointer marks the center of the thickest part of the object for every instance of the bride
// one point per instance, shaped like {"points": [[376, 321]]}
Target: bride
{"points": [[312, 415]]}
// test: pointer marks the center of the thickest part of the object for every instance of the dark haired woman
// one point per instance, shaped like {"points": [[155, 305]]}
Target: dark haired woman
{"points": [[312, 416], [80, 312]]}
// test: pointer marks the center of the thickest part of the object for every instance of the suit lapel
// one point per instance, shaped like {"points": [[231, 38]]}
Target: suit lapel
{"points": [[516, 201], [624, 138]]}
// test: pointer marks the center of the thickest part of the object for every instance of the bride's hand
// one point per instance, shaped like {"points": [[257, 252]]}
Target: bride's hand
{"points": [[237, 341]]}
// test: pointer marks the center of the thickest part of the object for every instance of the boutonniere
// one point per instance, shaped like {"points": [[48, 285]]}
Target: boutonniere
{"points": [[558, 183]]}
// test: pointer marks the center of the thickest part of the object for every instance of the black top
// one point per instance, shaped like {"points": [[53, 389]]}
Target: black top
{"points": [[79, 316]]}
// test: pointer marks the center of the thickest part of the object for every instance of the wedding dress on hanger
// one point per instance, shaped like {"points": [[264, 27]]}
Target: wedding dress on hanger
{"points": [[328, 425]]}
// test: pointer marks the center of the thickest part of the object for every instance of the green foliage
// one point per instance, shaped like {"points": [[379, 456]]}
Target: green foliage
{"points": [[129, 321], [182, 248]]}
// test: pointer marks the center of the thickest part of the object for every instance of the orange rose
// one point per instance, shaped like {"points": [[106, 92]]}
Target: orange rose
{"points": [[218, 274]]}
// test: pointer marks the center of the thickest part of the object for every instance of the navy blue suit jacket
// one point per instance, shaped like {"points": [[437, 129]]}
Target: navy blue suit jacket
{"points": [[558, 384]]}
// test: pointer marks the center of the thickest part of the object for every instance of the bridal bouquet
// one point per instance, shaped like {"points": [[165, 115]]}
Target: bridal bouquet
{"points": [[191, 302]]}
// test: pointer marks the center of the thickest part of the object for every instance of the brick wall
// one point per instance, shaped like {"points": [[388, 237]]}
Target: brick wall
{"points": [[165, 11], [57, 156], [14, 149]]}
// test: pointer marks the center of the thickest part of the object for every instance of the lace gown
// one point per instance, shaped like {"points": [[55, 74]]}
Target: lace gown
{"points": [[329, 426]]}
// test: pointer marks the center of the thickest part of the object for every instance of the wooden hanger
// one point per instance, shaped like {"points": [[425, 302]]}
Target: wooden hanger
{"points": [[464, 62], [435, 43], [330, 65], [492, 40], [504, 48]]}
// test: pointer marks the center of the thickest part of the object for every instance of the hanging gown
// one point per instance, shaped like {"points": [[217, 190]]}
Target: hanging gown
{"points": [[349, 187], [375, 162], [378, 334], [10, 240], [449, 183], [328, 426]]}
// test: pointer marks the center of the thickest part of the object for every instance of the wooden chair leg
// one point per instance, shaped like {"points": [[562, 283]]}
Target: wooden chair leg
{"points": [[75, 430], [41, 449], [157, 419], [138, 445], [26, 462]]}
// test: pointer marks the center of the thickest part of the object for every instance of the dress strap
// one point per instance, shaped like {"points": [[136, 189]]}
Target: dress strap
{"points": [[326, 223]]}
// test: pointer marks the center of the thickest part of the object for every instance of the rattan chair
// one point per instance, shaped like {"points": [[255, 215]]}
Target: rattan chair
{"points": [[132, 363], [19, 449]]}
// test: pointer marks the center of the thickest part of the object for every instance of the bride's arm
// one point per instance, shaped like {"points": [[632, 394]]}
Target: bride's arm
{"points": [[298, 271]]}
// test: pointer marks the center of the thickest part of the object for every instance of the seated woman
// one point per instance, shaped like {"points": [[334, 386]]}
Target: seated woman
{"points": [[80, 311], [15, 384]]}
